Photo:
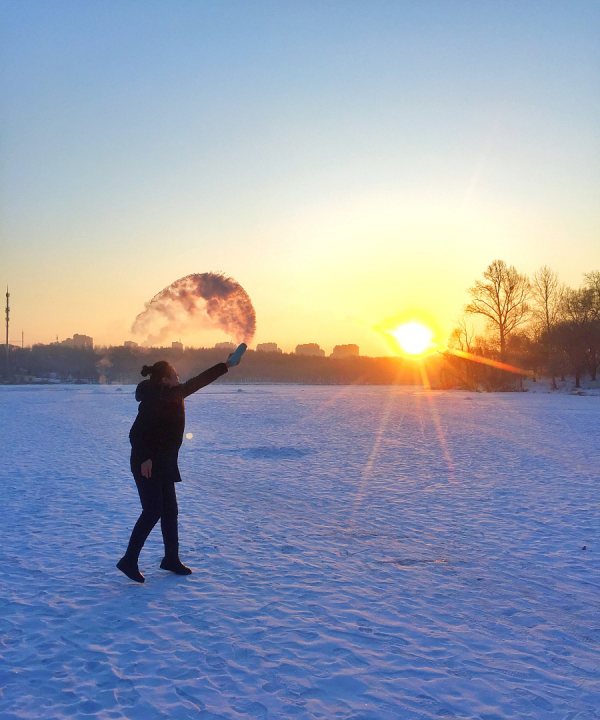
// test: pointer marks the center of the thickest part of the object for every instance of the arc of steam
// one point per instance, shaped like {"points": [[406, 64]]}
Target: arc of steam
{"points": [[211, 300]]}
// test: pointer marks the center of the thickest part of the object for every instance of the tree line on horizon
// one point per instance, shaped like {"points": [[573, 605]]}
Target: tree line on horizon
{"points": [[122, 365], [536, 324]]}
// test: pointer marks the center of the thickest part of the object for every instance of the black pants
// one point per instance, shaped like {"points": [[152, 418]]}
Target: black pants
{"points": [[159, 502]]}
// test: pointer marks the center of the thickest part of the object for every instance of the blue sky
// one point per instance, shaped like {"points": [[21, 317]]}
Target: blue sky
{"points": [[344, 161]]}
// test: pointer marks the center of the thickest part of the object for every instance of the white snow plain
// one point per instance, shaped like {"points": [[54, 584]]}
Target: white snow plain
{"points": [[365, 553]]}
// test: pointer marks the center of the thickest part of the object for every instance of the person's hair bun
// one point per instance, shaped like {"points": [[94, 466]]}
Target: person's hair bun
{"points": [[159, 370]]}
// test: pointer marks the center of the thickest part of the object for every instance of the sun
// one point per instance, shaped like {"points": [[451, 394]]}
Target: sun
{"points": [[413, 338]]}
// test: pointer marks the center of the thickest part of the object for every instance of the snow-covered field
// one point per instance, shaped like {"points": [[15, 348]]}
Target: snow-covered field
{"points": [[359, 553]]}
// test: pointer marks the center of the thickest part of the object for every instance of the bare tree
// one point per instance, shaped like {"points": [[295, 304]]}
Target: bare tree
{"points": [[462, 338], [502, 299], [579, 331], [579, 306], [547, 293], [592, 286], [592, 283], [463, 335]]}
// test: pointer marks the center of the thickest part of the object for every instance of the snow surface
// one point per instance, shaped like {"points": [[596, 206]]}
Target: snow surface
{"points": [[544, 385], [359, 553]]}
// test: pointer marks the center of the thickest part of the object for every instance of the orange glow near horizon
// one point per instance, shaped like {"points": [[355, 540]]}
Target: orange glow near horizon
{"points": [[413, 333], [416, 340], [490, 362], [413, 338]]}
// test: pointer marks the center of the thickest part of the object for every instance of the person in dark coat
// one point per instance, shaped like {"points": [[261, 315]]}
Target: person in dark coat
{"points": [[156, 436]]}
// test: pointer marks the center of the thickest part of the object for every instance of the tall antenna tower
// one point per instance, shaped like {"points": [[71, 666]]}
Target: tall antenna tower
{"points": [[7, 318]]}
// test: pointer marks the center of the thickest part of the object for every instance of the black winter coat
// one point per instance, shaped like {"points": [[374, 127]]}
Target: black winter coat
{"points": [[157, 432]]}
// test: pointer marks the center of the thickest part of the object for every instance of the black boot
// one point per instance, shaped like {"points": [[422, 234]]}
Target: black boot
{"points": [[130, 567], [172, 562]]}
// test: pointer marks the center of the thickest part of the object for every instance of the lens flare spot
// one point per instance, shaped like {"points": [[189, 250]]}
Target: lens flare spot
{"points": [[413, 338], [189, 436]]}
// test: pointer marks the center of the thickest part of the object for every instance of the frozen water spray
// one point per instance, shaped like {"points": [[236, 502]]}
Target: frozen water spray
{"points": [[209, 300]]}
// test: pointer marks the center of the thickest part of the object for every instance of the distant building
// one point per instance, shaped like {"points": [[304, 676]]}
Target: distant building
{"points": [[130, 344], [175, 345], [79, 341], [225, 346], [344, 351], [310, 349], [268, 348]]}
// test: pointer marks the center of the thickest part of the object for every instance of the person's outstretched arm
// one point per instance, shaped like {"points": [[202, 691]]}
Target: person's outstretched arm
{"points": [[205, 378]]}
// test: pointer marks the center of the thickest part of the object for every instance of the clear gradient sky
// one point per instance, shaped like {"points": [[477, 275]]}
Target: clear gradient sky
{"points": [[345, 161]]}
